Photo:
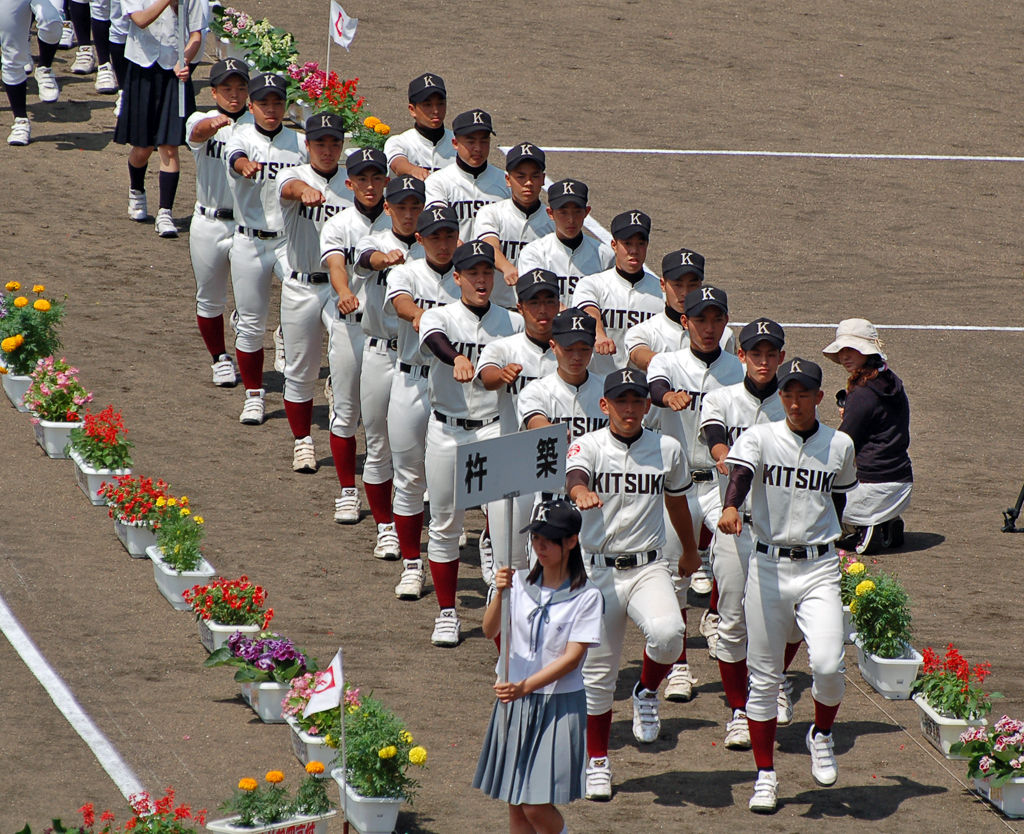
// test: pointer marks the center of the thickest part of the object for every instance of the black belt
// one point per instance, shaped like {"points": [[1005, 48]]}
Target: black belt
{"points": [[623, 561], [811, 551], [701, 475], [747, 519], [311, 277], [422, 371], [350, 317], [373, 341], [217, 214], [260, 234], [462, 422]]}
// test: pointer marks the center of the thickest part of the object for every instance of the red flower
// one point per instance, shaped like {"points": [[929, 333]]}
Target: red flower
{"points": [[88, 815]]}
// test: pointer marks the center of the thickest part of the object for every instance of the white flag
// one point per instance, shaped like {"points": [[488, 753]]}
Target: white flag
{"points": [[343, 27], [328, 692]]}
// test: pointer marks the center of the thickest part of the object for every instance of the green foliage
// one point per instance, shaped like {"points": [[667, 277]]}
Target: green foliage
{"points": [[101, 440], [179, 534], [378, 751], [881, 616], [257, 804]]}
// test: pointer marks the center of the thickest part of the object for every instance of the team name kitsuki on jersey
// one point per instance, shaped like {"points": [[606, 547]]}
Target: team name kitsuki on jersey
{"points": [[518, 383], [215, 148], [467, 209], [270, 170], [629, 483], [468, 349], [511, 248], [732, 432], [813, 480], [621, 319], [581, 425], [322, 212]]}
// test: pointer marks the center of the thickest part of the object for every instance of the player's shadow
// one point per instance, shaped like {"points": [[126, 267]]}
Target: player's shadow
{"points": [[674, 729], [914, 542], [679, 788], [870, 803], [793, 737]]}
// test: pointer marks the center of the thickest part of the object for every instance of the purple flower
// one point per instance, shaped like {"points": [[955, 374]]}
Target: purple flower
{"points": [[265, 663]]}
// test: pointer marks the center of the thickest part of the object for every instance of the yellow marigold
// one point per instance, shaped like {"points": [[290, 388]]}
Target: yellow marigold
{"points": [[274, 776], [184, 511], [199, 520], [3, 370], [20, 301], [161, 501], [370, 122], [172, 502], [8, 344], [19, 340], [38, 288], [315, 768], [405, 736], [382, 129], [387, 752], [41, 304], [183, 500], [329, 741], [12, 286], [856, 568], [418, 756], [853, 606], [247, 784], [864, 587]]}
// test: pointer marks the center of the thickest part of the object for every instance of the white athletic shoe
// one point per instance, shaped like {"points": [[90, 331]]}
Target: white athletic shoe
{"points": [[447, 629], [785, 702], [118, 103], [709, 621], [106, 81], [46, 81], [304, 455], [599, 780], [679, 683], [224, 373], [737, 731], [137, 208], [646, 721], [165, 224], [346, 508], [67, 35], [387, 543], [410, 585], [766, 793], [279, 350], [85, 61], [700, 580], [824, 767], [254, 409], [21, 132], [329, 394], [486, 558]]}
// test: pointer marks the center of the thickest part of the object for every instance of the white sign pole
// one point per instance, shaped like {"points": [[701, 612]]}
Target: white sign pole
{"points": [[506, 616], [182, 37]]}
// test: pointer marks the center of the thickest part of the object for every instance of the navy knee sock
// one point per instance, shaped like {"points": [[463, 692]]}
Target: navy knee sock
{"points": [[168, 188]]}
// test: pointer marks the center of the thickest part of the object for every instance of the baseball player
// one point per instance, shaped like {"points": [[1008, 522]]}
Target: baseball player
{"points": [[627, 480], [91, 22], [472, 182], [118, 35], [428, 145], [509, 225], [310, 195], [796, 473], [463, 410], [413, 288], [15, 55], [566, 251], [681, 272], [255, 155], [622, 296], [213, 219]]}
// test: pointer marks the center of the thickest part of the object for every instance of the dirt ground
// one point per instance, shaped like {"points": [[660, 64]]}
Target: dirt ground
{"points": [[802, 240]]}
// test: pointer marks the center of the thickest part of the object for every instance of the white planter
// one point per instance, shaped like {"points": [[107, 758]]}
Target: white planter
{"points": [[368, 815], [847, 625], [171, 583], [15, 386], [309, 748], [298, 824], [300, 110], [53, 436], [136, 536], [943, 732], [90, 479], [226, 49], [214, 635], [265, 700], [890, 677], [1008, 798]]}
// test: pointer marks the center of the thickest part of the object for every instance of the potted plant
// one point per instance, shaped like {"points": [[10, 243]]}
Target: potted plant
{"points": [[150, 816], [996, 763], [28, 332], [950, 697], [100, 450], [228, 24], [881, 617], [267, 664], [136, 504], [314, 90], [56, 399], [177, 559], [226, 606], [851, 573], [313, 735], [269, 809]]}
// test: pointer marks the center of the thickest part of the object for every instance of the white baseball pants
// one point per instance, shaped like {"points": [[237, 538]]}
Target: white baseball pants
{"points": [[729, 559], [306, 311], [15, 48], [254, 263], [705, 503], [408, 415], [374, 393], [209, 244], [345, 359]]}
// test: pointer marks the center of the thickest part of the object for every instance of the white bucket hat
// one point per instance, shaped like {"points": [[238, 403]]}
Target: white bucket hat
{"points": [[859, 334]]}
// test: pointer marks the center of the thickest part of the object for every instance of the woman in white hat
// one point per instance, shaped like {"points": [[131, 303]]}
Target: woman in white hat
{"points": [[877, 416]]}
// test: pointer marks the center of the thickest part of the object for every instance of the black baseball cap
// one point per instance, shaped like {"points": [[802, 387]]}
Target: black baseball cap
{"points": [[703, 297], [223, 70], [535, 281], [556, 519], [803, 371], [362, 158], [472, 121], [630, 223], [437, 216], [573, 325], [624, 380], [524, 152], [424, 86], [262, 85], [762, 330], [472, 253], [401, 187], [325, 124], [568, 191], [682, 262]]}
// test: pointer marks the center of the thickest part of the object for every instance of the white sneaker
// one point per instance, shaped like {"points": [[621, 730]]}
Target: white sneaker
{"points": [[737, 731], [766, 793], [679, 683], [599, 780], [410, 585], [646, 721], [118, 103], [224, 373], [279, 350], [304, 455], [329, 394], [85, 61], [346, 508], [21, 132], [709, 628], [785, 702], [165, 224], [700, 580], [387, 543], [446, 629], [254, 409], [67, 35], [106, 81], [137, 209], [46, 81], [824, 767], [486, 558]]}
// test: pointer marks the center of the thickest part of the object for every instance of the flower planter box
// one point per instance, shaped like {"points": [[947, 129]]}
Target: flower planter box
{"points": [[309, 748], [265, 700], [943, 731], [1008, 798], [213, 635], [89, 479], [298, 824], [53, 436], [890, 677], [299, 111], [368, 815], [226, 49], [15, 386], [847, 625], [171, 583], [136, 536]]}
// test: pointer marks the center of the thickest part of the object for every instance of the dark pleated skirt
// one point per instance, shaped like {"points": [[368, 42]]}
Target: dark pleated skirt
{"points": [[149, 109]]}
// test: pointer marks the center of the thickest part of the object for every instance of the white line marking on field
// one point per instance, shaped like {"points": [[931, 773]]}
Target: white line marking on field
{"points": [[921, 157], [108, 757]]}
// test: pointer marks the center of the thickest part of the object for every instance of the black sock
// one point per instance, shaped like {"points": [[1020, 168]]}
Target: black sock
{"points": [[16, 96], [101, 40], [80, 20], [137, 177], [47, 52], [168, 188], [119, 61]]}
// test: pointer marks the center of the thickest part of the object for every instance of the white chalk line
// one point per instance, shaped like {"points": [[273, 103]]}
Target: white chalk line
{"points": [[915, 157]]}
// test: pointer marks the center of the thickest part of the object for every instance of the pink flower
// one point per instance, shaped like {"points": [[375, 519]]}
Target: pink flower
{"points": [[973, 734], [985, 764]]}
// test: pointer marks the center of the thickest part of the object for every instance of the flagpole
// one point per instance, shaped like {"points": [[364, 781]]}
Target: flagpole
{"points": [[330, 24], [344, 761]]}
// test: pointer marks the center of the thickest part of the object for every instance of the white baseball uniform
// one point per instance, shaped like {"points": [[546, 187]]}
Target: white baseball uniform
{"points": [[466, 193], [663, 333], [15, 24], [568, 263], [514, 228], [557, 401], [419, 150]]}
